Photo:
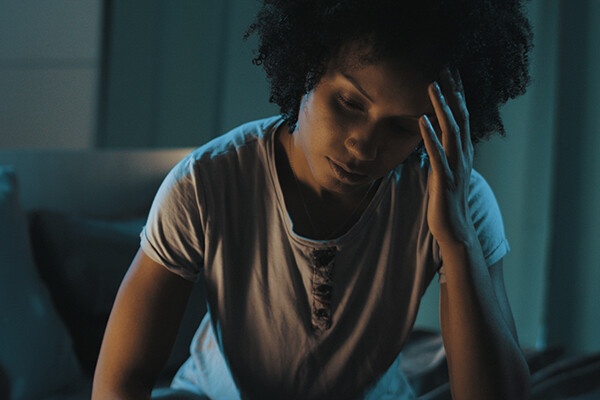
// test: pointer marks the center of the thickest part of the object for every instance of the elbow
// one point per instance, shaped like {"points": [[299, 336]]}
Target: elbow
{"points": [[524, 384], [519, 389], [518, 383], [119, 384], [119, 392], [512, 381]]}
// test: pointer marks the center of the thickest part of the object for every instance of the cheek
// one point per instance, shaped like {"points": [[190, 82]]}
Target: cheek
{"points": [[326, 126], [399, 149]]}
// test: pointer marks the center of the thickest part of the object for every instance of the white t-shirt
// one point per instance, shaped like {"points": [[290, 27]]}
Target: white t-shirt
{"points": [[291, 317]]}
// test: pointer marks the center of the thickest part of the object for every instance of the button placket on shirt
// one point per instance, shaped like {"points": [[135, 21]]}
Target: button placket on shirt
{"points": [[322, 287]]}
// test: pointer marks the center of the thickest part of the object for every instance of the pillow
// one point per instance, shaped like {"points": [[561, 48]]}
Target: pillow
{"points": [[574, 377], [82, 261], [36, 352]]}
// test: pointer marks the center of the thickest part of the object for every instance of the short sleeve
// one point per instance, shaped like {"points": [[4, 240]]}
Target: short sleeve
{"points": [[173, 234], [487, 220]]}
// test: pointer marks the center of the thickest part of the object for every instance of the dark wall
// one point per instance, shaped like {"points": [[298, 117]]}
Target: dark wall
{"points": [[177, 73]]}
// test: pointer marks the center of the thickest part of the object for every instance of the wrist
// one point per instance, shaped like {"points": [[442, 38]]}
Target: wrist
{"points": [[459, 245], [464, 236]]}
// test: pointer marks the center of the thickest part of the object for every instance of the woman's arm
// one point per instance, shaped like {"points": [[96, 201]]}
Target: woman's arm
{"points": [[484, 357], [141, 330]]}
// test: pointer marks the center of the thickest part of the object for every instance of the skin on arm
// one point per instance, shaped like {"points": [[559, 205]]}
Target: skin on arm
{"points": [[141, 330], [452, 338], [484, 357], [497, 277]]}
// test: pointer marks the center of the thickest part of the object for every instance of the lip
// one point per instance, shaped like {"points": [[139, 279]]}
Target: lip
{"points": [[344, 174]]}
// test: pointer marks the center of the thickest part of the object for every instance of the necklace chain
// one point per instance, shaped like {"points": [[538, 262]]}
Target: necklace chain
{"points": [[310, 219]]}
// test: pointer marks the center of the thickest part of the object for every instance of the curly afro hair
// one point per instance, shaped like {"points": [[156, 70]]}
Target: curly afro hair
{"points": [[486, 40]]}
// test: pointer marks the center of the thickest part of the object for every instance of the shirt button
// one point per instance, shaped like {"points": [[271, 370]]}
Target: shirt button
{"points": [[324, 289], [323, 257]]}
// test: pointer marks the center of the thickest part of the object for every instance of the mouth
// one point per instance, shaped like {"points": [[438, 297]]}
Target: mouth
{"points": [[344, 174]]}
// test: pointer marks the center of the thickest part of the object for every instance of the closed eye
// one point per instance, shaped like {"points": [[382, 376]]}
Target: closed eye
{"points": [[349, 104]]}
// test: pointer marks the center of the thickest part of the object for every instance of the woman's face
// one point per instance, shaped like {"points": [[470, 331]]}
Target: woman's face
{"points": [[358, 123]]}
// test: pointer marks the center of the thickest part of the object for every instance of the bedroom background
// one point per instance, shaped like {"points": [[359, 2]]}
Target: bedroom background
{"points": [[92, 74]]}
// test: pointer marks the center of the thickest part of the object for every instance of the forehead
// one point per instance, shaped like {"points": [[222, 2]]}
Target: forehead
{"points": [[395, 83]]}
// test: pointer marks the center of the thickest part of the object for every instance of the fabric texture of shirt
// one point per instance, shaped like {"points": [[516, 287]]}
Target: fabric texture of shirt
{"points": [[288, 316]]}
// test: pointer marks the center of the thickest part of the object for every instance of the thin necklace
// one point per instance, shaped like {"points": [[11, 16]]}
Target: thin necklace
{"points": [[310, 219]]}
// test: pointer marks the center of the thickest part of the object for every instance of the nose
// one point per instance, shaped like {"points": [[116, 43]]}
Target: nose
{"points": [[362, 145]]}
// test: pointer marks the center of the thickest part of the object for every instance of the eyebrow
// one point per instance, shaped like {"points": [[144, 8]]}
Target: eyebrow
{"points": [[357, 86], [432, 117]]}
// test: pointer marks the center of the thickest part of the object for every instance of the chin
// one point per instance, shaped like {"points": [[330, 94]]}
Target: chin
{"points": [[347, 188]]}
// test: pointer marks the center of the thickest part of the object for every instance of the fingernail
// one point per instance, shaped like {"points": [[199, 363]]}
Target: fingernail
{"points": [[424, 120]]}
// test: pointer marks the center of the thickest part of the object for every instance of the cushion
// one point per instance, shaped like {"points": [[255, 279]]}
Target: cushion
{"points": [[572, 377], [36, 352], [84, 257], [83, 260]]}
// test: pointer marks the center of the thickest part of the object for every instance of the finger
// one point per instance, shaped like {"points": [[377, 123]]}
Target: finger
{"points": [[461, 111], [450, 129], [452, 90], [437, 155], [455, 73], [455, 96]]}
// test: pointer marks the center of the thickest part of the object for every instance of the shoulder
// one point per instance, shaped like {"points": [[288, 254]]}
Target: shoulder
{"points": [[482, 201], [413, 175], [236, 149], [478, 184], [246, 137], [483, 206], [487, 219], [416, 173], [240, 146]]}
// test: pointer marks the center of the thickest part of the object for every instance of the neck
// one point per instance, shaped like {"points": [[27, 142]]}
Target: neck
{"points": [[316, 212], [302, 173]]}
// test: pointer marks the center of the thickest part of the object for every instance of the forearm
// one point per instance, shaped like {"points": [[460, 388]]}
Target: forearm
{"points": [[121, 372], [484, 358], [140, 332], [116, 378]]}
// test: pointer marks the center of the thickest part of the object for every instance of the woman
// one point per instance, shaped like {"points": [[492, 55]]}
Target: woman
{"points": [[317, 232]]}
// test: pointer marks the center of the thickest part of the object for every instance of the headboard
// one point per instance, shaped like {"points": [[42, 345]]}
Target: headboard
{"points": [[102, 183]]}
